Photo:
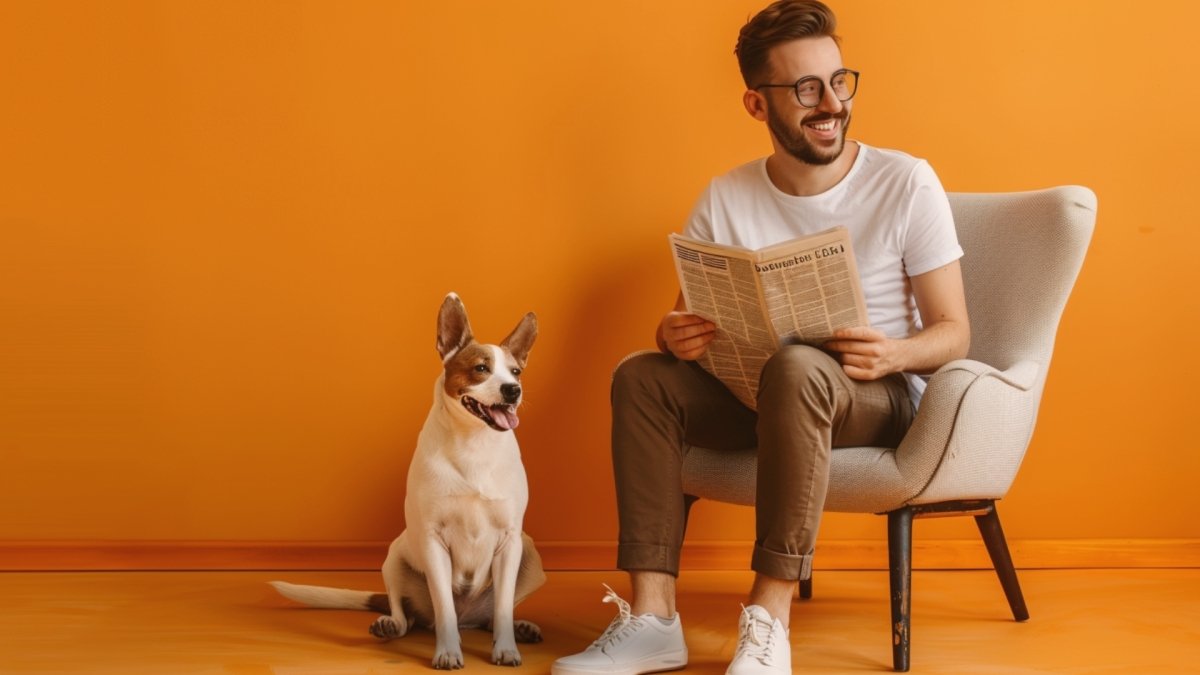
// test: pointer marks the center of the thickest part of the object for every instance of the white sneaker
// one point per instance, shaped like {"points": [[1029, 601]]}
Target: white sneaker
{"points": [[631, 645], [763, 647]]}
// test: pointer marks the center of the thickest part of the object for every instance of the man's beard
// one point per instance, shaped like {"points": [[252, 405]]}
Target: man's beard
{"points": [[795, 144]]}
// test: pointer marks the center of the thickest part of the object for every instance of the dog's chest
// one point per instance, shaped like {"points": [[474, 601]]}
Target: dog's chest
{"points": [[473, 529], [471, 517], [471, 501], [469, 493]]}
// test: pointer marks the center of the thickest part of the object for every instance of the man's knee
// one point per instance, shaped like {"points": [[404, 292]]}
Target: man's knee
{"points": [[802, 369], [636, 371], [801, 361]]}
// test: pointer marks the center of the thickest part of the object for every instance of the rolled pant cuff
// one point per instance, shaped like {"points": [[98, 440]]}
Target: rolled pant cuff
{"points": [[781, 565], [648, 557]]}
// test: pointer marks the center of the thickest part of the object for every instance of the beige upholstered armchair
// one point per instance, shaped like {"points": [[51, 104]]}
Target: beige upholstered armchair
{"points": [[1023, 252]]}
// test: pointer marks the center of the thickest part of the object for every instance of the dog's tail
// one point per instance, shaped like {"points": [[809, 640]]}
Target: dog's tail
{"points": [[325, 597]]}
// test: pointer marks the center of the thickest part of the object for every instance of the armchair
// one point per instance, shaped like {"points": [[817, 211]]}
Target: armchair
{"points": [[1023, 252]]}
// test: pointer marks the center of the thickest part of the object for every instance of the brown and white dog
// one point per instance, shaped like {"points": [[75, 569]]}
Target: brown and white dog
{"points": [[463, 559]]}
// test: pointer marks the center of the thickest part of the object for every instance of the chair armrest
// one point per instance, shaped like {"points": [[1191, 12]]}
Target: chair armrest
{"points": [[1022, 375], [977, 442]]}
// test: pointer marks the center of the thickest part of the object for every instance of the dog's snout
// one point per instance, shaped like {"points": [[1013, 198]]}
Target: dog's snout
{"points": [[511, 392]]}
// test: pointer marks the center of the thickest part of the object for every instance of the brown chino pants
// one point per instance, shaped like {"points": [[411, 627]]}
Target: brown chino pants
{"points": [[806, 407]]}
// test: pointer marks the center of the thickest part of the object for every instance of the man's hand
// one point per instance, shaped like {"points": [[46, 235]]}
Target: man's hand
{"points": [[685, 335], [865, 353]]}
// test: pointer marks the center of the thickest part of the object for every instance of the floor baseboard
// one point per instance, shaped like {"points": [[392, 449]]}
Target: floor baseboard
{"points": [[576, 555]]}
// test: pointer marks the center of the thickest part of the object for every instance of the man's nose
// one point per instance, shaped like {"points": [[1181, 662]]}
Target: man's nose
{"points": [[829, 101], [511, 392]]}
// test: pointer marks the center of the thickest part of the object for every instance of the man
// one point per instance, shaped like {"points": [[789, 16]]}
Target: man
{"points": [[861, 388]]}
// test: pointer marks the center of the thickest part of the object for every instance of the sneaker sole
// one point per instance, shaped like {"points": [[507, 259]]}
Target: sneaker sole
{"points": [[658, 664]]}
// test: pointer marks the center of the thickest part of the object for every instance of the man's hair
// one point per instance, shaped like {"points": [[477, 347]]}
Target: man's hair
{"points": [[782, 21]]}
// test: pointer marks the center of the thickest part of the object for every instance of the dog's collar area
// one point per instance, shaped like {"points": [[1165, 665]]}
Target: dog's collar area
{"points": [[501, 417]]}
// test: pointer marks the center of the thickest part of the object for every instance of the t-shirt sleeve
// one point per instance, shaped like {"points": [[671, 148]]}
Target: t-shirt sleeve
{"points": [[931, 241]]}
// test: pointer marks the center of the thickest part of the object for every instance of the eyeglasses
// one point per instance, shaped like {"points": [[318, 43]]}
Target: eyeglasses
{"points": [[811, 89]]}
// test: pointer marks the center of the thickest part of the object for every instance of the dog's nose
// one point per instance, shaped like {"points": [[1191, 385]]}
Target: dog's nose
{"points": [[511, 392]]}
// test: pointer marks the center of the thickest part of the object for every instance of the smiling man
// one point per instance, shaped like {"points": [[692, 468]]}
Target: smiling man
{"points": [[862, 388]]}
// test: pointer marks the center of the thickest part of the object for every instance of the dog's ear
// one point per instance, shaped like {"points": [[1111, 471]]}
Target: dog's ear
{"points": [[520, 341], [454, 331]]}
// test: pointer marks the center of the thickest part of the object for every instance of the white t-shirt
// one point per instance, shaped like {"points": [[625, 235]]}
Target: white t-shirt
{"points": [[893, 205]]}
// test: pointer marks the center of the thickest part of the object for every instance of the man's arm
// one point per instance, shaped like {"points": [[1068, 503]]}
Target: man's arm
{"points": [[867, 354], [682, 334]]}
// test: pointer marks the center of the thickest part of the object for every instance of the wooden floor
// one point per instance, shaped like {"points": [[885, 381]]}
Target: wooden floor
{"points": [[1083, 621]]}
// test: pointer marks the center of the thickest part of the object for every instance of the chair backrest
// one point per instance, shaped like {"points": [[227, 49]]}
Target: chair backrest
{"points": [[1022, 254]]}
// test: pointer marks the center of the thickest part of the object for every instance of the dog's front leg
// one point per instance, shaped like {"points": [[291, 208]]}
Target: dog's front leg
{"points": [[448, 655], [504, 579]]}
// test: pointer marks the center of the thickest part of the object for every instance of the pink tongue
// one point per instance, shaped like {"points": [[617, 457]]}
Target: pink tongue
{"points": [[504, 418]]}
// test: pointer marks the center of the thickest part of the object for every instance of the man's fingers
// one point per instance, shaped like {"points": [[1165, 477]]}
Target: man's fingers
{"points": [[693, 342], [853, 347], [868, 363], [840, 346], [680, 319], [691, 348], [856, 373], [680, 332], [687, 335], [852, 359], [859, 333]]}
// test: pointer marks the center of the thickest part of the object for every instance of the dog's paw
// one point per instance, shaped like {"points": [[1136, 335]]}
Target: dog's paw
{"points": [[448, 660], [527, 631], [506, 656], [387, 628]]}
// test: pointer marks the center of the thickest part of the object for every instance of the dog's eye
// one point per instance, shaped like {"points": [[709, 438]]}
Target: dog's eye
{"points": [[482, 368], [516, 372]]}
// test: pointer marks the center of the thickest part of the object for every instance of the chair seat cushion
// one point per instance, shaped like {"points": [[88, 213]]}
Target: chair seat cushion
{"points": [[862, 480]]}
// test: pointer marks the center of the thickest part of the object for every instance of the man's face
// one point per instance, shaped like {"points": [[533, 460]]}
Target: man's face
{"points": [[811, 135]]}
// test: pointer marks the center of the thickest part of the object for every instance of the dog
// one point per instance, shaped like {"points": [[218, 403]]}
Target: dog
{"points": [[463, 559]]}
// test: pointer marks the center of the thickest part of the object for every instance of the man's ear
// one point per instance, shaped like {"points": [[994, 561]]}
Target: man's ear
{"points": [[454, 331], [756, 104], [520, 341]]}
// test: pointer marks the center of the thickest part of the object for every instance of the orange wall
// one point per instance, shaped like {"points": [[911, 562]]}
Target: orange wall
{"points": [[226, 227]]}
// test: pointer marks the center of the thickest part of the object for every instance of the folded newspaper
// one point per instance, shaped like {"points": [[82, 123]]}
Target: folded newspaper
{"points": [[798, 291]]}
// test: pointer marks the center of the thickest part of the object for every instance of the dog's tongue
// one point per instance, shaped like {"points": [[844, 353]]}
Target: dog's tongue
{"points": [[504, 416]]}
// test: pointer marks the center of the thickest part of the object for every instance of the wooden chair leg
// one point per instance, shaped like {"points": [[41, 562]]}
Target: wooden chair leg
{"points": [[900, 571], [997, 547], [806, 589]]}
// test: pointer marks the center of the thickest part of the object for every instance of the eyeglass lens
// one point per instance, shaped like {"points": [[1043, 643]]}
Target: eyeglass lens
{"points": [[810, 90]]}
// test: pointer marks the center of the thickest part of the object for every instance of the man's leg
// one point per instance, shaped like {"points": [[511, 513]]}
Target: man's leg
{"points": [[807, 405], [660, 404], [653, 593]]}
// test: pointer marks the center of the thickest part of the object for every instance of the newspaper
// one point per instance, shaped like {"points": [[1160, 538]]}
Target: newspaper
{"points": [[798, 291]]}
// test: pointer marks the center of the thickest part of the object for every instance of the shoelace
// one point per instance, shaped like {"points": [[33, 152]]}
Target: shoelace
{"points": [[750, 643], [624, 624]]}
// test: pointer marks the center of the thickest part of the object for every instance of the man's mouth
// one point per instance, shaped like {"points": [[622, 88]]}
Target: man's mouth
{"points": [[826, 128], [501, 417]]}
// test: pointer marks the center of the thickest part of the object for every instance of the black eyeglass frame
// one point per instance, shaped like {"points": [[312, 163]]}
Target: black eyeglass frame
{"points": [[795, 87]]}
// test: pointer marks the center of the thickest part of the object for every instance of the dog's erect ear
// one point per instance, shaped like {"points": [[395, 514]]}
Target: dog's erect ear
{"points": [[520, 341], [454, 331]]}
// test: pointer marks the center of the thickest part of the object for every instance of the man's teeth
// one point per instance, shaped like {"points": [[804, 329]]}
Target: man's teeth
{"points": [[824, 126]]}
